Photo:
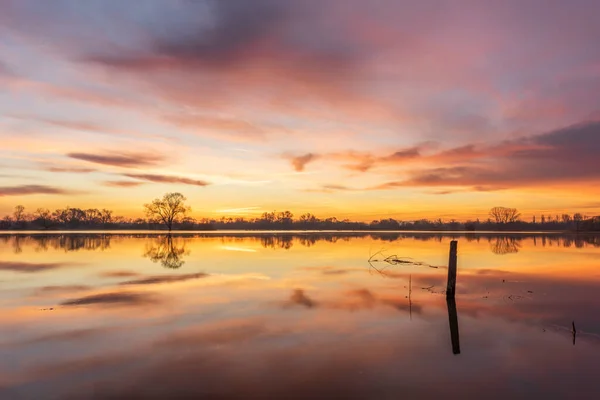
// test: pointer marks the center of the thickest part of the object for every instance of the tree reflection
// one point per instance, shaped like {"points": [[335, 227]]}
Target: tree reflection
{"points": [[505, 245], [168, 251], [277, 242], [499, 244]]}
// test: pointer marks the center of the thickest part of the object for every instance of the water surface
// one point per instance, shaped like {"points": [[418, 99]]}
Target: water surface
{"points": [[298, 316]]}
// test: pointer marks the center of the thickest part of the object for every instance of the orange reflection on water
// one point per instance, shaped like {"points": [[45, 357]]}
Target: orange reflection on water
{"points": [[295, 314]]}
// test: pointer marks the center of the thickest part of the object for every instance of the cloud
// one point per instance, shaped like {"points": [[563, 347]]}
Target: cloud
{"points": [[348, 57], [336, 187], [224, 42], [113, 299], [67, 124], [563, 156], [124, 160], [360, 161], [123, 184], [402, 155], [26, 190], [232, 128], [28, 267], [5, 70], [372, 73], [331, 188], [168, 179], [159, 279], [62, 288], [73, 170], [299, 162], [77, 125]]}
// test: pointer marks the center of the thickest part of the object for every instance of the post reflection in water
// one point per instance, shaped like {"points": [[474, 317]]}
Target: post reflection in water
{"points": [[453, 318], [297, 315]]}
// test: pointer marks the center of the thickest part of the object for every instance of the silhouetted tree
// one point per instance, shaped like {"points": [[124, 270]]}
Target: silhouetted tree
{"points": [[504, 215], [106, 216], [19, 215], [577, 217], [167, 210], [43, 216]]}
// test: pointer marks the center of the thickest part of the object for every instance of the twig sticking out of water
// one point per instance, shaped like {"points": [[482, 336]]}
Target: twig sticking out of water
{"points": [[574, 333], [393, 260]]}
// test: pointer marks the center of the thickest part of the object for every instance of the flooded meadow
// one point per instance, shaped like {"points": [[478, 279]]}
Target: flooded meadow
{"points": [[298, 315]]}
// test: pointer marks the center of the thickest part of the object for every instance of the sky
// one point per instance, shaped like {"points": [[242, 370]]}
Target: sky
{"points": [[347, 108]]}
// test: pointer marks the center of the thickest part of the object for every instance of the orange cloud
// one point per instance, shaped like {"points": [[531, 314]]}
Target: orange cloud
{"points": [[167, 179], [122, 184], [34, 189], [299, 162], [119, 159]]}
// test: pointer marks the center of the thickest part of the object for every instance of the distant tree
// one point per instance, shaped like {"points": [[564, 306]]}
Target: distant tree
{"points": [[106, 216], [171, 208], [503, 215], [566, 218], [74, 216], [284, 217], [6, 222], [577, 218], [92, 216], [268, 217], [44, 217], [19, 214], [58, 216], [308, 218]]}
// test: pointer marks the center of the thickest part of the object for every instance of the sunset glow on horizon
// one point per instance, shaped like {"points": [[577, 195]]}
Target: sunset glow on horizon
{"points": [[346, 108]]}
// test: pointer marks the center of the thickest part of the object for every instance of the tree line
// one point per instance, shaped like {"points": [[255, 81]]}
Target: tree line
{"points": [[171, 212]]}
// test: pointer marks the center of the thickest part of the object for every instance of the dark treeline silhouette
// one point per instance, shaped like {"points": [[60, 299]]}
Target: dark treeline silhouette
{"points": [[501, 219], [170, 250]]}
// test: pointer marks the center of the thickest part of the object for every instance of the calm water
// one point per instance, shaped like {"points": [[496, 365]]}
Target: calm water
{"points": [[298, 316]]}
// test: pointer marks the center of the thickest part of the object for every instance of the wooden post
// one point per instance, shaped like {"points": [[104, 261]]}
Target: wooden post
{"points": [[451, 288]]}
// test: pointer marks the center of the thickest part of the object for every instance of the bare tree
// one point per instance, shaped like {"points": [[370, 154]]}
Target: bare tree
{"points": [[503, 215], [19, 213], [578, 217], [167, 210], [106, 216], [44, 216]]}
